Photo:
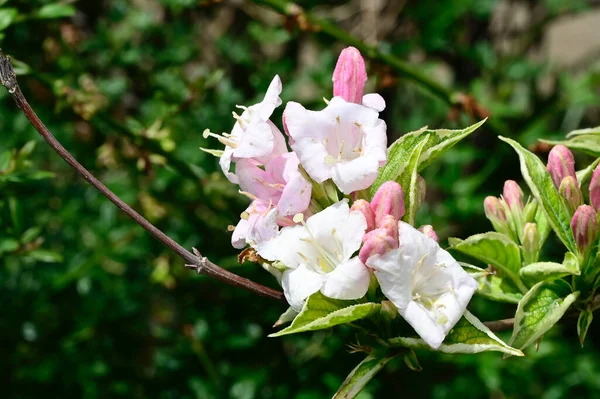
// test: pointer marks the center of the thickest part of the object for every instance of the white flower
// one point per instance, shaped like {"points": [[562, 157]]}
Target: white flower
{"points": [[429, 288], [319, 253], [253, 136], [345, 142]]}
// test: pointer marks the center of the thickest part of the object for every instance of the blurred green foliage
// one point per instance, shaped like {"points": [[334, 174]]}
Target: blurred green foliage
{"points": [[94, 307]]}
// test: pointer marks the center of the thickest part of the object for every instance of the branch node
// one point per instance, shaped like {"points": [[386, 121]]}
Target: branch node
{"points": [[8, 78]]}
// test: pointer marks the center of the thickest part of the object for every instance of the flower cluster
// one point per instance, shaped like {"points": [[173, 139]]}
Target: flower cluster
{"points": [[311, 218]]}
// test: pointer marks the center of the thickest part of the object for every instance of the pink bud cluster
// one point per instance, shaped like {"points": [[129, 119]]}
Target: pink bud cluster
{"points": [[584, 224]]}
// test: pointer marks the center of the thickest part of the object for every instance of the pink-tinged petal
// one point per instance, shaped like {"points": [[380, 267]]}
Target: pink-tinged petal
{"points": [[279, 145], [350, 280], [374, 100], [350, 75], [263, 227], [355, 175], [300, 283], [364, 207], [256, 181], [377, 242], [295, 197], [257, 141], [271, 100], [388, 200], [238, 238]]}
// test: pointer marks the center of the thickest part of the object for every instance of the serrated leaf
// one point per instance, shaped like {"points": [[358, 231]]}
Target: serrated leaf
{"points": [[540, 183], [492, 248], [588, 144], [409, 181], [399, 152], [320, 312], [544, 305], [7, 17], [583, 324], [547, 271], [361, 375], [469, 335], [56, 10]]}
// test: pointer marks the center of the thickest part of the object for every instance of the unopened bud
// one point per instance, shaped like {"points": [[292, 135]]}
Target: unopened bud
{"points": [[595, 189], [561, 164], [429, 232], [513, 195], [364, 207], [377, 242], [349, 76], [530, 243], [388, 200], [494, 210], [390, 224], [584, 226], [570, 191]]}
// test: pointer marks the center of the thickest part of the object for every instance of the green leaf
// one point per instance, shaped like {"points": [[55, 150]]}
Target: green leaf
{"points": [[583, 324], [46, 256], [361, 375], [286, 317], [539, 310], [409, 181], [7, 17], [540, 183], [8, 245], [400, 151], [492, 248], [579, 132], [469, 335], [320, 312], [31, 234], [588, 144], [474, 271], [586, 174], [541, 271], [56, 10], [499, 289], [411, 361]]}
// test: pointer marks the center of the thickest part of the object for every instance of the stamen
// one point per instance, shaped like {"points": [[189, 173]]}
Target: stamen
{"points": [[249, 195]]}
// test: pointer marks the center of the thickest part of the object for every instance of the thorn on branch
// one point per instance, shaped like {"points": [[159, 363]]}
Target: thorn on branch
{"points": [[202, 262], [8, 78]]}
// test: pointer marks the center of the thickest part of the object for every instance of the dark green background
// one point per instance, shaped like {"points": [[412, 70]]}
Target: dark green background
{"points": [[91, 306]]}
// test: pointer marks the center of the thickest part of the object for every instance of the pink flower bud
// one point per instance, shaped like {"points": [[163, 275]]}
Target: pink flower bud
{"points": [[429, 232], [513, 195], [390, 224], [561, 164], [595, 189], [570, 191], [530, 242], [494, 210], [584, 226], [350, 75], [364, 207], [388, 200], [377, 242]]}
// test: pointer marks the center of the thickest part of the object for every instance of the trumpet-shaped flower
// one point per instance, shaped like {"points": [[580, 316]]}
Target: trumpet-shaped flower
{"points": [[253, 136], [257, 224], [318, 254], [429, 288], [345, 142]]}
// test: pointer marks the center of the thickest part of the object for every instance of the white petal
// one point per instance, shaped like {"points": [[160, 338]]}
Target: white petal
{"points": [[352, 233], [225, 163], [374, 100], [262, 227], [394, 277], [257, 141], [351, 112], [288, 247], [295, 197], [238, 238], [334, 217], [424, 324], [350, 280], [271, 100], [300, 283], [375, 142], [313, 156], [355, 175]]}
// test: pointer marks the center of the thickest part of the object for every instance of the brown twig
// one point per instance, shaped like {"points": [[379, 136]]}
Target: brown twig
{"points": [[195, 260]]}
